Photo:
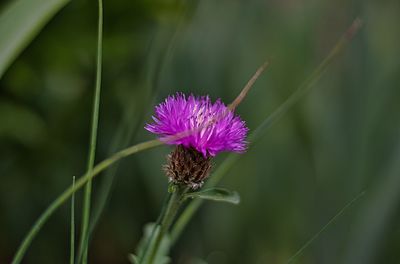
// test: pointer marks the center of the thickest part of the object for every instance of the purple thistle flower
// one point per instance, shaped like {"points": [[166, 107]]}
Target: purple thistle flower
{"points": [[211, 128]]}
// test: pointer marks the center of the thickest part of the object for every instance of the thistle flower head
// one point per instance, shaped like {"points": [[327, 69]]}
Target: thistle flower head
{"points": [[198, 123]]}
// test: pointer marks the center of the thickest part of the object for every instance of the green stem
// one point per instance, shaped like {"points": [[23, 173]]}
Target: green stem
{"points": [[63, 197], [184, 219], [165, 221], [83, 249], [302, 90]]}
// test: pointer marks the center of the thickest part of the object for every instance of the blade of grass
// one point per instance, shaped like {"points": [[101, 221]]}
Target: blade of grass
{"points": [[63, 197], [72, 235], [374, 220], [83, 248], [306, 86], [20, 22], [330, 222]]}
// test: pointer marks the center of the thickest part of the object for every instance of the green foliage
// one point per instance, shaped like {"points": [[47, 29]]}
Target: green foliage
{"points": [[20, 22]]}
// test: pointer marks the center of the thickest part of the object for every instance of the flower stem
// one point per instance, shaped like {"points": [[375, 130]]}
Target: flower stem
{"points": [[164, 222]]}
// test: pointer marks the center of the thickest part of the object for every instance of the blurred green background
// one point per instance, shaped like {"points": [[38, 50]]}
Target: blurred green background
{"points": [[340, 139]]}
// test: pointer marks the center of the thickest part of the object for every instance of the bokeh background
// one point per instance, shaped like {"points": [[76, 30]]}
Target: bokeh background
{"points": [[339, 140]]}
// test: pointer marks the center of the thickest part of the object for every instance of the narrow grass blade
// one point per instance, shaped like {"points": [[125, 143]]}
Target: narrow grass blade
{"points": [[63, 197], [20, 22], [72, 235], [83, 248], [330, 222], [306, 86], [374, 220]]}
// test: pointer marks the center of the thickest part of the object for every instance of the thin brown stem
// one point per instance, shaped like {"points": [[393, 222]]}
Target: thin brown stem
{"points": [[248, 86]]}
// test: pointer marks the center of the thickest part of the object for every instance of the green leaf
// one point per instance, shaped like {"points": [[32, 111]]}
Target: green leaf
{"points": [[216, 194], [150, 231], [20, 22]]}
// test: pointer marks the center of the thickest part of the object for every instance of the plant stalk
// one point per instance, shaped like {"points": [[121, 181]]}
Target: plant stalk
{"points": [[166, 219]]}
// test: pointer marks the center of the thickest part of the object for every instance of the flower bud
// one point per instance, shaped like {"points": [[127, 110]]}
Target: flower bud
{"points": [[187, 166]]}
